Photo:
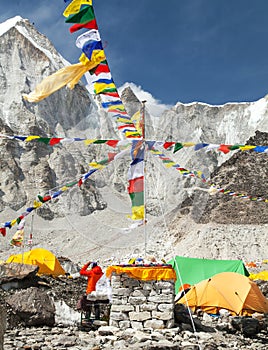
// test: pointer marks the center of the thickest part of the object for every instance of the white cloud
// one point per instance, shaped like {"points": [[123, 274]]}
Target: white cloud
{"points": [[155, 107]]}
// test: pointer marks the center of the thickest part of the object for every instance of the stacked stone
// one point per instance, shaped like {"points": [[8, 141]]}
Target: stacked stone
{"points": [[141, 304]]}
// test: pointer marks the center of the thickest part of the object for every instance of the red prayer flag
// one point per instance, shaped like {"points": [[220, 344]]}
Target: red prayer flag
{"points": [[125, 126], [111, 156], [114, 94], [117, 111], [102, 68], [54, 140], [3, 231], [224, 148], [112, 143], [46, 198], [89, 25], [136, 185], [168, 144]]}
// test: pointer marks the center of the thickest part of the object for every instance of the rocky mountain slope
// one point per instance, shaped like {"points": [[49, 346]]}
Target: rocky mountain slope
{"points": [[183, 217]]}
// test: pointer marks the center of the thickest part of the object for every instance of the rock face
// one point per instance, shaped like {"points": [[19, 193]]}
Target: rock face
{"points": [[26, 57], [249, 178]]}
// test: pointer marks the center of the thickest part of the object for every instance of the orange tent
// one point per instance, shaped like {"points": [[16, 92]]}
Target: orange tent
{"points": [[227, 290]]}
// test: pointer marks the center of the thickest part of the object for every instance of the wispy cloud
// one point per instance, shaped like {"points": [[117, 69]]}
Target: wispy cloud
{"points": [[155, 107]]}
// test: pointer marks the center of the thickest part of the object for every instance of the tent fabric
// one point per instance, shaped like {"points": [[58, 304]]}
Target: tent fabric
{"points": [[262, 275], [227, 290], [47, 261], [193, 270], [144, 273]]}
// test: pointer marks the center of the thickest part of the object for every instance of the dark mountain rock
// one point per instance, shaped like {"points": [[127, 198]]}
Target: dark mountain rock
{"points": [[244, 173]]}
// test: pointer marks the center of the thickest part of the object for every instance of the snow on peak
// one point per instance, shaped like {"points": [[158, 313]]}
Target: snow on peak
{"points": [[9, 23], [19, 23]]}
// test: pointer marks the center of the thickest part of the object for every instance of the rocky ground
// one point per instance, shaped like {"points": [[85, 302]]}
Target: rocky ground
{"points": [[189, 333]]}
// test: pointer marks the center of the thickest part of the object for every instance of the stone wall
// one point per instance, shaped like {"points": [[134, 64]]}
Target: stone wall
{"points": [[141, 304], [2, 326]]}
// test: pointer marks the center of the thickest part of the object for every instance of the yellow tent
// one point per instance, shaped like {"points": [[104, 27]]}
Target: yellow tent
{"points": [[47, 262], [262, 275], [226, 290]]}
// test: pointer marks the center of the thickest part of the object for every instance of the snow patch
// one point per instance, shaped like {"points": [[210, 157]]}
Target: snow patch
{"points": [[8, 24], [209, 105], [24, 32], [64, 314], [15, 22], [256, 112]]}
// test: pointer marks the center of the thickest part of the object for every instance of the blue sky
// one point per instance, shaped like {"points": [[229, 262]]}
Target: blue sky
{"points": [[211, 51]]}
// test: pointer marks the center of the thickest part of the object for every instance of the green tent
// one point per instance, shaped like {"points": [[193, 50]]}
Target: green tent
{"points": [[193, 270]]}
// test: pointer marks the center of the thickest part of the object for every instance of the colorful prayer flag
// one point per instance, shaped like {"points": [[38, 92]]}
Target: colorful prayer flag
{"points": [[17, 239], [75, 6], [89, 25], [85, 15], [69, 76]]}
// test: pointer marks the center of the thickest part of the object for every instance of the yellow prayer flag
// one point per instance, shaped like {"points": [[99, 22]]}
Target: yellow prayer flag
{"points": [[138, 213], [98, 87], [188, 144], [124, 120], [69, 76], [30, 138], [96, 165], [17, 239], [136, 116], [137, 121], [13, 222], [170, 164], [37, 204], [75, 6], [246, 147], [97, 56], [88, 142], [132, 133], [121, 107]]}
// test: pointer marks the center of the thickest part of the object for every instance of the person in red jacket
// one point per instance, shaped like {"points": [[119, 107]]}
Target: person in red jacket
{"points": [[93, 275]]}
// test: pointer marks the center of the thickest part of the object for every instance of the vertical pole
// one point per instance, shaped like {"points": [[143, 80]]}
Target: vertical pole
{"points": [[30, 242], [144, 172]]}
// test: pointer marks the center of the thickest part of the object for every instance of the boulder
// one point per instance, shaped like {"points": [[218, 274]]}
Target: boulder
{"points": [[15, 276], [32, 307], [247, 325]]}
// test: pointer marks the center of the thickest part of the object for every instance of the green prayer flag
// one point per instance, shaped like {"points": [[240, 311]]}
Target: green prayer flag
{"points": [[83, 16], [105, 90], [45, 140], [103, 162], [100, 141], [71, 184], [177, 147], [137, 199], [234, 147]]}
